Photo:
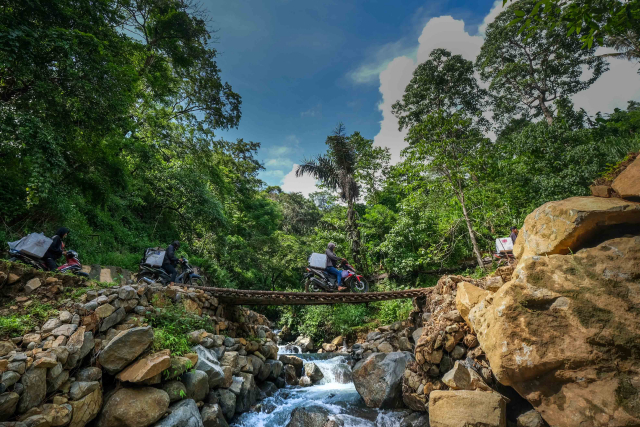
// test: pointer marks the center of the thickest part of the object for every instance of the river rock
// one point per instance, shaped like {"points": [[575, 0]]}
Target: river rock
{"points": [[197, 384], [309, 417], [305, 343], [208, 363], [8, 405], [294, 361], [573, 334], [55, 415], [378, 379], [86, 409], [227, 402], [124, 348], [212, 416], [290, 376], [248, 393], [275, 367], [35, 389], [183, 414], [466, 408], [561, 227], [146, 368], [312, 371], [129, 407], [268, 388], [627, 184], [342, 373]]}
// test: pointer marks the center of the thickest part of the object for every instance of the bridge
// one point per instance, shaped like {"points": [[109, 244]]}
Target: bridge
{"points": [[248, 297]]}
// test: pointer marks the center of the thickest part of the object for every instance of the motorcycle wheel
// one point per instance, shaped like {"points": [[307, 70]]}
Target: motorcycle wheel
{"points": [[140, 278], [359, 286], [81, 274]]}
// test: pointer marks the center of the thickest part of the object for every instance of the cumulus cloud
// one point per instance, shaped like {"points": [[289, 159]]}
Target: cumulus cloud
{"points": [[613, 89], [304, 184]]}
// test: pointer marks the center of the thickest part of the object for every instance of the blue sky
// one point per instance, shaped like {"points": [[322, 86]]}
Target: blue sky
{"points": [[302, 66]]}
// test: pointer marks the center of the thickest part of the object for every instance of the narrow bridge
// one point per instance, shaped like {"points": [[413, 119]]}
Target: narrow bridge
{"points": [[242, 297]]}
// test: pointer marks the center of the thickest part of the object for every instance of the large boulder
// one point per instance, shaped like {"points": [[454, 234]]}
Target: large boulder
{"points": [[134, 407], [208, 363], [35, 389], [467, 297], [146, 368], [124, 348], [378, 379], [86, 409], [248, 393], [312, 371], [466, 408], [309, 417], [564, 226], [227, 401], [197, 384], [212, 416], [183, 414], [565, 333], [627, 184]]}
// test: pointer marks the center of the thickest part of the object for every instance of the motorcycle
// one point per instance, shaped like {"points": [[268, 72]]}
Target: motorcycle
{"points": [[318, 280], [72, 264], [187, 276]]}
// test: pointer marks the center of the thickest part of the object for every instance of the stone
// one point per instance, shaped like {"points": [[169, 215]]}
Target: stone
{"points": [[54, 384], [467, 297], [18, 367], [275, 368], [80, 389], [309, 417], [113, 319], [268, 388], [466, 408], [36, 421], [600, 190], [32, 285], [530, 419], [230, 359], [65, 316], [458, 352], [197, 384], [175, 389], [51, 324], [8, 405], [182, 414], [290, 376], [55, 414], [462, 378], [305, 343], [31, 338], [35, 389], [129, 407], [385, 347], [124, 348], [104, 311], [470, 341], [296, 362], [9, 378], [207, 362], [329, 348], [494, 283], [89, 374], [6, 347], [146, 367], [227, 402], [305, 382], [627, 184], [212, 416], [179, 365], [562, 227], [312, 371], [197, 337], [571, 322], [46, 362], [86, 409], [378, 379], [88, 344], [248, 393], [126, 293], [417, 334]]}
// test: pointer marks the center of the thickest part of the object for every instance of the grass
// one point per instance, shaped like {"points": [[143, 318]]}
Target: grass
{"points": [[17, 325]]}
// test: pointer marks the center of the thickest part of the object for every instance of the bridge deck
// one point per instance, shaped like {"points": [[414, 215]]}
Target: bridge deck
{"points": [[242, 297]]}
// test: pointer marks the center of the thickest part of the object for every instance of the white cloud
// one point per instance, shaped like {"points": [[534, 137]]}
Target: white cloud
{"points": [[312, 112], [304, 184], [620, 84]]}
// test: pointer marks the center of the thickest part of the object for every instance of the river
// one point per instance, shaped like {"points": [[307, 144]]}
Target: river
{"points": [[335, 393]]}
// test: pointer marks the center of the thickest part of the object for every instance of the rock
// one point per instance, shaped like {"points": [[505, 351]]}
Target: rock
{"points": [[329, 348], [183, 414], [89, 374], [147, 367], [179, 365], [275, 368], [248, 393], [80, 389], [51, 324], [290, 376], [230, 359], [129, 407], [312, 371], [113, 319], [8, 405], [470, 341], [462, 378], [564, 226], [86, 409], [9, 378], [467, 297], [309, 417], [268, 388], [176, 390], [337, 341], [88, 344], [600, 190], [31, 338], [104, 311], [458, 352], [466, 408], [54, 384], [65, 330], [197, 384], [208, 363], [32, 285], [46, 362], [65, 316], [494, 283], [305, 343], [294, 361], [342, 373], [385, 347], [124, 348], [212, 416], [6, 347], [36, 421], [378, 379], [35, 389], [416, 401], [530, 419], [573, 329], [54, 415], [417, 334], [627, 184], [227, 402], [305, 382]]}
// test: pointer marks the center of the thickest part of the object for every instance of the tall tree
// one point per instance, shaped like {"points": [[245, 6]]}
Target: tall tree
{"points": [[527, 74], [336, 170]]}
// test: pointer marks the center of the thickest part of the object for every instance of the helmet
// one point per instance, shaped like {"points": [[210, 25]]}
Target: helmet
{"points": [[176, 244]]}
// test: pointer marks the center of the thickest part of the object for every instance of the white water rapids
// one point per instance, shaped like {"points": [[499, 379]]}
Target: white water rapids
{"points": [[342, 401]]}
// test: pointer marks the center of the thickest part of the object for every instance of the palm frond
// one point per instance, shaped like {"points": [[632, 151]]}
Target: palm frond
{"points": [[322, 169]]}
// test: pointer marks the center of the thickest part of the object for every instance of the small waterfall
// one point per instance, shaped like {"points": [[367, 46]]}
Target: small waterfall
{"points": [[289, 349]]}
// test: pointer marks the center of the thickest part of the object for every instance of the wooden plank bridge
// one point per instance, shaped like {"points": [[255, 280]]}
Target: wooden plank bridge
{"points": [[249, 297]]}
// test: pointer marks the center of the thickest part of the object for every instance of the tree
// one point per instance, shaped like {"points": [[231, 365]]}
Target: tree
{"points": [[336, 170], [528, 73], [450, 145], [443, 82]]}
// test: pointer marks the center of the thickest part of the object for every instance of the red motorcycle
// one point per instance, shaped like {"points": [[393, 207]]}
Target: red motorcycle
{"points": [[72, 265], [319, 280]]}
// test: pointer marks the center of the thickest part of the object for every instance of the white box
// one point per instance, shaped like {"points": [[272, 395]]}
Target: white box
{"points": [[155, 257], [34, 244], [504, 244], [318, 260]]}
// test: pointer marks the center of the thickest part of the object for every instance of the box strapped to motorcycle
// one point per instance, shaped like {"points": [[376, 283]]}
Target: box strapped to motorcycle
{"points": [[318, 260], [154, 257], [504, 245], [34, 244]]}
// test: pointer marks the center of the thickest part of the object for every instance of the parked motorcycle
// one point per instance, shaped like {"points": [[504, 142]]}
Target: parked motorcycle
{"points": [[187, 276], [72, 265], [318, 280]]}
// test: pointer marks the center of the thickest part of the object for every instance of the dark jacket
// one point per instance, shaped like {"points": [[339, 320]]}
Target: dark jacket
{"points": [[332, 259], [170, 255], [514, 236], [56, 247]]}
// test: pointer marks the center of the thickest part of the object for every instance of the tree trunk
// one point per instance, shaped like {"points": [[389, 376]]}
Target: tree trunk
{"points": [[472, 236], [547, 113], [353, 233]]}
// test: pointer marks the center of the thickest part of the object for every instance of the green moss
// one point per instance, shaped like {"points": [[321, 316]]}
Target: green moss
{"points": [[628, 396]]}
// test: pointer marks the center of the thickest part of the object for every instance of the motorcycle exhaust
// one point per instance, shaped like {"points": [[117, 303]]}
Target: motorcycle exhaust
{"points": [[319, 283], [149, 281]]}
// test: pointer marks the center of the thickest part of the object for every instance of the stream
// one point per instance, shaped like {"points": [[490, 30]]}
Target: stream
{"points": [[335, 393]]}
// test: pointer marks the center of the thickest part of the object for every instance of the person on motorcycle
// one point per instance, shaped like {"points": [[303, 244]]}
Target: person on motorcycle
{"points": [[170, 260], [514, 234], [56, 249], [333, 262]]}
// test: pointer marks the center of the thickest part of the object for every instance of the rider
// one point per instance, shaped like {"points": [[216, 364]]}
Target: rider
{"points": [[170, 260], [332, 261], [56, 249], [514, 234]]}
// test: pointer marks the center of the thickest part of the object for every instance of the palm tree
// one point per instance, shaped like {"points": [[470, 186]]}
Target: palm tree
{"points": [[336, 170]]}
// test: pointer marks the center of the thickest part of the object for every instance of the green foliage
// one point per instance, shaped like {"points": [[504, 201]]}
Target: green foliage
{"points": [[15, 325]]}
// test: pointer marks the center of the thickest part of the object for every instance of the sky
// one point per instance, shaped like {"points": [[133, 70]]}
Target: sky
{"points": [[302, 67]]}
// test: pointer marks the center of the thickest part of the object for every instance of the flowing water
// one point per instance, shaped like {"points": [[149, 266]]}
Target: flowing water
{"points": [[335, 393]]}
